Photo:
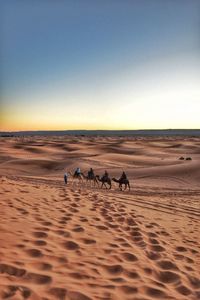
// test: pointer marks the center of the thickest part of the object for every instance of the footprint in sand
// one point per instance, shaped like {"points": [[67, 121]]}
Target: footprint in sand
{"points": [[131, 222], [108, 218], [183, 290], [132, 274], [88, 241], [113, 245], [70, 245], [128, 290], [135, 232], [34, 253], [97, 219], [59, 293], [80, 276], [195, 282], [46, 223], [114, 269], [40, 234], [102, 227], [148, 270], [157, 248], [111, 225], [40, 243], [11, 270], [20, 245], [17, 292], [83, 219], [179, 256], [153, 255], [74, 205], [194, 251], [120, 240], [118, 279], [78, 228], [152, 234], [188, 268], [181, 249], [163, 232], [63, 233], [37, 278], [153, 241], [129, 257], [77, 296], [23, 211], [73, 210], [155, 293], [126, 245], [66, 218], [167, 265], [189, 260], [42, 266], [168, 277]]}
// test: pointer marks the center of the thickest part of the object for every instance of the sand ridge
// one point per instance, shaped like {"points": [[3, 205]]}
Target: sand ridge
{"points": [[82, 242]]}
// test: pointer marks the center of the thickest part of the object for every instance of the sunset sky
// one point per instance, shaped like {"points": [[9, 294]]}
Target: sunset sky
{"points": [[109, 64]]}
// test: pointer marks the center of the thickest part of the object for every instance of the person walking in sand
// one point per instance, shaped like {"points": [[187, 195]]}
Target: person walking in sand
{"points": [[66, 177]]}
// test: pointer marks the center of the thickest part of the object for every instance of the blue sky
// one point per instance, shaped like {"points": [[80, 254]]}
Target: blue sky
{"points": [[100, 64]]}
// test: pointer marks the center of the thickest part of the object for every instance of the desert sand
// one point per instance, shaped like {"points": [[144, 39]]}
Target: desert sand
{"points": [[81, 242]]}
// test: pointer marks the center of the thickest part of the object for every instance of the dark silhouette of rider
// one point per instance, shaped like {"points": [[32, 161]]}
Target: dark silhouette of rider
{"points": [[105, 176], [91, 173], [77, 172], [123, 176]]}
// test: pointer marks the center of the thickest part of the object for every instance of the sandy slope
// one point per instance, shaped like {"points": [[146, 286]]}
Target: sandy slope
{"points": [[80, 242]]}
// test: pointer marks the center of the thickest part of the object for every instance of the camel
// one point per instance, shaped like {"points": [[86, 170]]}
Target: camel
{"points": [[77, 176], [121, 182], [104, 180], [91, 179]]}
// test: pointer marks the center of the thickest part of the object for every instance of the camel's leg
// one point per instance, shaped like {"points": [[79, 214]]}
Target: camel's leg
{"points": [[73, 181]]}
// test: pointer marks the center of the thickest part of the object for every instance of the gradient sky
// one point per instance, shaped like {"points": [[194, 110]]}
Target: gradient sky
{"points": [[109, 64]]}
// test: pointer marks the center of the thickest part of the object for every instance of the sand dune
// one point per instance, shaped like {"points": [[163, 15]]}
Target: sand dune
{"points": [[80, 242]]}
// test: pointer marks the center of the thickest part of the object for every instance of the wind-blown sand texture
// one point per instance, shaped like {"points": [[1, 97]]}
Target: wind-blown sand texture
{"points": [[81, 242]]}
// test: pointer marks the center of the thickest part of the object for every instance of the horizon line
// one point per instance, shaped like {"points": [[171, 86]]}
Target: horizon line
{"points": [[63, 130]]}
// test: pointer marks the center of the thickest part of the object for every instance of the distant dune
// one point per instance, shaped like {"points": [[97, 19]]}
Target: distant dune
{"points": [[149, 132]]}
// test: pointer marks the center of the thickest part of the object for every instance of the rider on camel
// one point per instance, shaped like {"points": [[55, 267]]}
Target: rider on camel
{"points": [[77, 172], [105, 176], [91, 173], [123, 176]]}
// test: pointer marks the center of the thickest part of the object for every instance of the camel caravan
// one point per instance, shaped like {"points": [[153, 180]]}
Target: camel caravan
{"points": [[96, 180]]}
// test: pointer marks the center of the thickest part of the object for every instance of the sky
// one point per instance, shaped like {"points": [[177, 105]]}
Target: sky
{"points": [[109, 64]]}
